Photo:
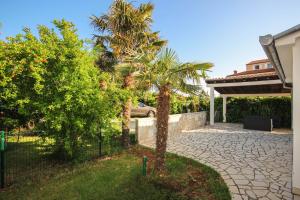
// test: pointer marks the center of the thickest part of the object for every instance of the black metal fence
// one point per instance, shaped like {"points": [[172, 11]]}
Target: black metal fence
{"points": [[27, 157]]}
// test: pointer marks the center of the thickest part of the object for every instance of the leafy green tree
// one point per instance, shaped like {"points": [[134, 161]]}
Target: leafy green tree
{"points": [[168, 75], [125, 33], [21, 69], [54, 77]]}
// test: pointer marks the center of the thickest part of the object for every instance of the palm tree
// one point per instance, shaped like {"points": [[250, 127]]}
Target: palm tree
{"points": [[168, 75], [125, 33]]}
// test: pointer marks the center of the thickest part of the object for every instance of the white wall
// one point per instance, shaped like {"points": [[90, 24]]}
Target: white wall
{"points": [[296, 116], [146, 127]]}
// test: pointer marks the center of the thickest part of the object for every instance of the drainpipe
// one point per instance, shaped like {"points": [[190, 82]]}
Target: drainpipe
{"points": [[268, 44]]}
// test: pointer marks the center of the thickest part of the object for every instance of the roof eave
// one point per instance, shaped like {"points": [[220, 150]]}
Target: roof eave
{"points": [[287, 32], [268, 45]]}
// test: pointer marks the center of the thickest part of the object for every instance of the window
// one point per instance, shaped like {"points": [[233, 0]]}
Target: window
{"points": [[269, 65], [256, 66]]}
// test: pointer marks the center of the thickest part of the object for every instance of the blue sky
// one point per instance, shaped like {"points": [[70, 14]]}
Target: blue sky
{"points": [[224, 32]]}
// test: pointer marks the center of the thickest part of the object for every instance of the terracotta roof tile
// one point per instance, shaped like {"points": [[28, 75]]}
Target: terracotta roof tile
{"points": [[247, 75], [257, 71]]}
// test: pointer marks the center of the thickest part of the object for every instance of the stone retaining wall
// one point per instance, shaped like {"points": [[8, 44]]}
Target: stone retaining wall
{"points": [[145, 128]]}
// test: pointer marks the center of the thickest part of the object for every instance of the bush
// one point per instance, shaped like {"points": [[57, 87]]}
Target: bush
{"points": [[179, 103], [53, 77], [278, 108]]}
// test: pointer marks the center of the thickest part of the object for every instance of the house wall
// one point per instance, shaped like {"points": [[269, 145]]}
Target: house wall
{"points": [[296, 117], [261, 66], [146, 127]]}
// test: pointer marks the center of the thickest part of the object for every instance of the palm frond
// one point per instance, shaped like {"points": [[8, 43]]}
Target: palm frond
{"points": [[100, 23], [127, 68], [146, 10], [167, 59], [187, 88], [165, 68], [159, 43], [101, 39], [190, 71]]}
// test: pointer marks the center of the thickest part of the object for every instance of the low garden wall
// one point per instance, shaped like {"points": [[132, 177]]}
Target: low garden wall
{"points": [[145, 128]]}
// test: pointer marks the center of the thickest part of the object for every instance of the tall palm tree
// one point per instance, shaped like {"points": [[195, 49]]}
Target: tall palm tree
{"points": [[125, 33], [169, 75]]}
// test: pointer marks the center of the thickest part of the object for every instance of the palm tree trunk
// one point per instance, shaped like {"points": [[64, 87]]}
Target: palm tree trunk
{"points": [[163, 109], [128, 83]]}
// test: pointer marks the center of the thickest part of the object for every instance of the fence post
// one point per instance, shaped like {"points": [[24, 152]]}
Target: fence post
{"points": [[100, 143], [2, 164], [145, 159]]}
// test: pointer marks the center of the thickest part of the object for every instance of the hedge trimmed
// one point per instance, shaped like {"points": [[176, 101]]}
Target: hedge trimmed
{"points": [[278, 108]]}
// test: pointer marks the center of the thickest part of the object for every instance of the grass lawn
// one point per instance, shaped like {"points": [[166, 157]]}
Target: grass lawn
{"points": [[119, 177]]}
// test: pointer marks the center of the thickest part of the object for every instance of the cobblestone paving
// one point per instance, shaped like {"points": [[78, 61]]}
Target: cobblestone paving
{"points": [[254, 164]]}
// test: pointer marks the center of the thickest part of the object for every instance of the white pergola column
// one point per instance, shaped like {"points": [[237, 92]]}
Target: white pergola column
{"points": [[212, 106], [296, 117], [224, 108]]}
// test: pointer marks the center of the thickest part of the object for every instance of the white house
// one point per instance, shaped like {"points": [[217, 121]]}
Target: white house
{"points": [[283, 51]]}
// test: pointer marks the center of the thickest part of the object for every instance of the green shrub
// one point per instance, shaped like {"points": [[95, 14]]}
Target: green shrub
{"points": [[179, 103], [274, 107], [53, 76]]}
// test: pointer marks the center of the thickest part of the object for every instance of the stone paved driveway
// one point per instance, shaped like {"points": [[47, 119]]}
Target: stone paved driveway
{"points": [[254, 164]]}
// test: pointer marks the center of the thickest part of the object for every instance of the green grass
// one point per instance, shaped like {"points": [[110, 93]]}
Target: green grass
{"points": [[31, 157], [119, 177]]}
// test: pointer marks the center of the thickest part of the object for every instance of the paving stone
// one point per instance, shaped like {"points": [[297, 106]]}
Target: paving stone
{"points": [[272, 196], [247, 171], [234, 189], [242, 191], [229, 182], [259, 177], [245, 187], [259, 184], [274, 186], [241, 181], [251, 194], [264, 198], [275, 173], [260, 193], [232, 171], [289, 185], [237, 197], [255, 164], [260, 188], [249, 176], [287, 194]]}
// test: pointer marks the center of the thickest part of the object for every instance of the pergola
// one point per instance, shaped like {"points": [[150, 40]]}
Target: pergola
{"points": [[263, 82]]}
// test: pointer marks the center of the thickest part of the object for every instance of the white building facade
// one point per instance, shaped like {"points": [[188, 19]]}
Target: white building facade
{"points": [[283, 51]]}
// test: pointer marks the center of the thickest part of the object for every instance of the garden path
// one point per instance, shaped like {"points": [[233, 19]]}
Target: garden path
{"points": [[254, 164]]}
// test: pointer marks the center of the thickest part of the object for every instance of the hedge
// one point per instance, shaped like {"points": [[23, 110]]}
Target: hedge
{"points": [[179, 103], [278, 108]]}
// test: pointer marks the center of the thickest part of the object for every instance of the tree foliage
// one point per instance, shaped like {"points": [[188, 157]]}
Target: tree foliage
{"points": [[54, 78], [168, 75], [179, 103], [124, 33], [126, 30]]}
